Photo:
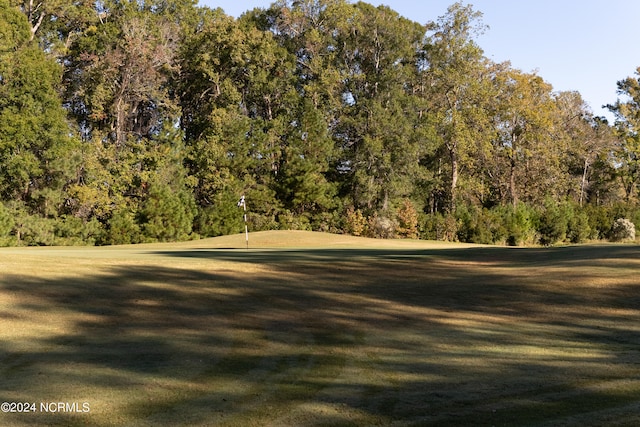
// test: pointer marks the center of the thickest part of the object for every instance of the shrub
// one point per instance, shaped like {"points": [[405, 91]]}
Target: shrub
{"points": [[35, 230], [600, 221], [222, 217], [478, 225], [407, 215], [634, 217], [381, 227], [440, 227], [328, 222], [466, 219], [167, 215], [7, 223], [552, 226], [623, 230], [122, 228], [71, 230], [520, 224], [288, 220], [262, 221], [356, 223], [578, 229]]}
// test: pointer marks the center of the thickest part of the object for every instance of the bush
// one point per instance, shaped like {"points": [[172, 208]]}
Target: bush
{"points": [[262, 221], [356, 223], [328, 222], [71, 230], [167, 215], [634, 217], [381, 227], [439, 227], [223, 217], [34, 230], [466, 219], [623, 230], [287, 220], [520, 224], [7, 223], [263, 209], [552, 225], [122, 229], [578, 229], [600, 221], [478, 225], [407, 220]]}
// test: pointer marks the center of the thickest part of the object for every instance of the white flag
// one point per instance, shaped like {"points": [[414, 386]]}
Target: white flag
{"points": [[241, 203]]}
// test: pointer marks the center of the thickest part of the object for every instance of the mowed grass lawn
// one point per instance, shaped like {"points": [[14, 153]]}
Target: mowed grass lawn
{"points": [[314, 329]]}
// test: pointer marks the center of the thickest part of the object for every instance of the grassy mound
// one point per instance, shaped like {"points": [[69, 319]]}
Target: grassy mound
{"points": [[311, 239]]}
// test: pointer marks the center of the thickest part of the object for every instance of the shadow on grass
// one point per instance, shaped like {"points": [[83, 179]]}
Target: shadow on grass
{"points": [[512, 257], [493, 336]]}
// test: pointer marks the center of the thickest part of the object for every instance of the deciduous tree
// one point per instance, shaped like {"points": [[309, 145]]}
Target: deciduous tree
{"points": [[456, 75], [627, 113]]}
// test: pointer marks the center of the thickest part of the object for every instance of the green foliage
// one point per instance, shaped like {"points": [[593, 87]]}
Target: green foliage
{"points": [[222, 217], [172, 112], [7, 224], [71, 230], [14, 28], [166, 215], [552, 223], [559, 222], [302, 182], [480, 225], [35, 146], [578, 229], [627, 112], [600, 221], [374, 125], [6, 220], [263, 208], [520, 223], [32, 230], [122, 228], [635, 218], [459, 83], [439, 226], [328, 222], [287, 220]]}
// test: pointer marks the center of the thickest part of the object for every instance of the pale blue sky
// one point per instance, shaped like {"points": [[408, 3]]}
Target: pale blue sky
{"points": [[583, 45]]}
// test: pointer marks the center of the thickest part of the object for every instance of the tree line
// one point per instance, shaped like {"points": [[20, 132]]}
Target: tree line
{"points": [[136, 121]]}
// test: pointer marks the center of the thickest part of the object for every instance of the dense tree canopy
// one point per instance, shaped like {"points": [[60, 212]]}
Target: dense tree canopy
{"points": [[126, 122]]}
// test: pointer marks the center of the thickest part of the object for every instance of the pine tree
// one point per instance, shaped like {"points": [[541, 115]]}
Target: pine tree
{"points": [[37, 157], [627, 112]]}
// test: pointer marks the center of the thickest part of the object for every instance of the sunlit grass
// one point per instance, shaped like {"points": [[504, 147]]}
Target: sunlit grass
{"points": [[315, 329]]}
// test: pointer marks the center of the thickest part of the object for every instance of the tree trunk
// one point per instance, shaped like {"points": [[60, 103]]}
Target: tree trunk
{"points": [[584, 180], [513, 192], [119, 125], [454, 180]]}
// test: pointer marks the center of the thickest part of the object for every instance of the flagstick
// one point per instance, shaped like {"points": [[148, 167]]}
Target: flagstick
{"points": [[246, 230], [243, 203]]}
